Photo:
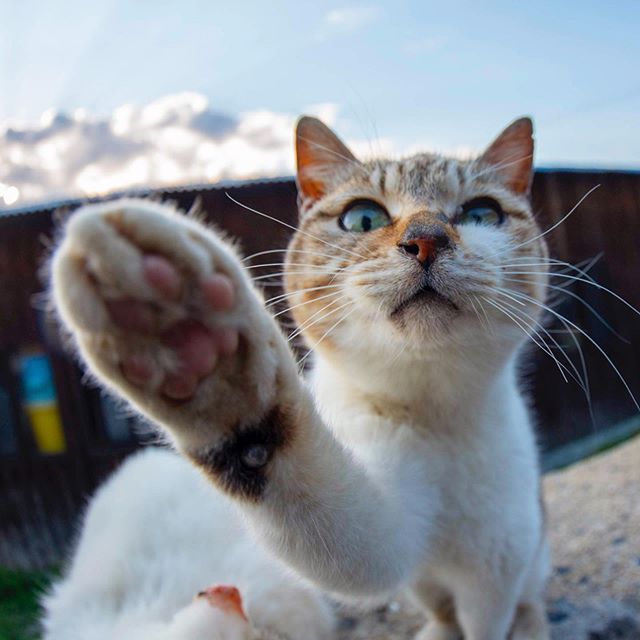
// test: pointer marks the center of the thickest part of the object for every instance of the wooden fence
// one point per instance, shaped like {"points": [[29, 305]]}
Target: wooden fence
{"points": [[45, 483]]}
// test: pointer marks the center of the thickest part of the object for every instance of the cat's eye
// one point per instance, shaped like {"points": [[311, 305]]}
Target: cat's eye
{"points": [[364, 215], [484, 211]]}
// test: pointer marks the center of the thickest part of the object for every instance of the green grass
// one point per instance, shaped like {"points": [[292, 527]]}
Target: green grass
{"points": [[19, 595]]}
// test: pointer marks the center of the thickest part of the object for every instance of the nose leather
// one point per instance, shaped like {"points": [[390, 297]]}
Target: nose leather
{"points": [[424, 241]]}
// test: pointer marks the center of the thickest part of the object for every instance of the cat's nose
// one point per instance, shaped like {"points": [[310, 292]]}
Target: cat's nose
{"points": [[424, 242]]}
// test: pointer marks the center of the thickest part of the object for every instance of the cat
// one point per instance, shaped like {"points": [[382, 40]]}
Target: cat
{"points": [[406, 459]]}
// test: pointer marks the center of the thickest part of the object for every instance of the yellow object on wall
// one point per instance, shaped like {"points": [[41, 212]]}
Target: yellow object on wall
{"points": [[39, 400], [47, 427]]}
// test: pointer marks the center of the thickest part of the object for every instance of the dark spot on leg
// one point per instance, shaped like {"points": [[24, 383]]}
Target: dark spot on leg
{"points": [[240, 463], [445, 612]]}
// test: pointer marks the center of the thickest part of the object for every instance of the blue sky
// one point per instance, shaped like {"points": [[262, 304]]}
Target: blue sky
{"points": [[444, 75]]}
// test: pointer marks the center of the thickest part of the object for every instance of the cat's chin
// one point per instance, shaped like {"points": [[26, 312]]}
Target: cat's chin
{"points": [[425, 300], [427, 317]]}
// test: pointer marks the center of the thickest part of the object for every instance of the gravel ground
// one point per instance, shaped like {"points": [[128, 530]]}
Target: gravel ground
{"points": [[594, 522]]}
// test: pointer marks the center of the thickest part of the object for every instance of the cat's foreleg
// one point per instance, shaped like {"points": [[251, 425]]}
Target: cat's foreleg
{"points": [[163, 313]]}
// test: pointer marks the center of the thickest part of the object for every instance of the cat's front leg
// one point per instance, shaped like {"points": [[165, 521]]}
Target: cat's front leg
{"points": [[162, 312]]}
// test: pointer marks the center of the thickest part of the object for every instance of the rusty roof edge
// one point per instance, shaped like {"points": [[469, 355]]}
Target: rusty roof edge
{"points": [[141, 193], [238, 184]]}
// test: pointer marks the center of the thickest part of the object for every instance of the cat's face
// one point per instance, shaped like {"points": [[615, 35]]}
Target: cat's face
{"points": [[413, 254]]}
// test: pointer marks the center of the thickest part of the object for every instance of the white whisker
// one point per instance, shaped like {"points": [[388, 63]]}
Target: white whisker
{"points": [[303, 327], [302, 304], [529, 332], [304, 233], [588, 337], [270, 251], [582, 380], [590, 282], [555, 226], [326, 333], [580, 299], [272, 301]]}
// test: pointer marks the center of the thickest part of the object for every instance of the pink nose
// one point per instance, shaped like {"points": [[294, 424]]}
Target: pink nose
{"points": [[424, 242], [424, 249]]}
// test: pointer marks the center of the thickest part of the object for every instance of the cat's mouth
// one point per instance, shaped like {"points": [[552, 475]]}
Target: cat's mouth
{"points": [[425, 295]]}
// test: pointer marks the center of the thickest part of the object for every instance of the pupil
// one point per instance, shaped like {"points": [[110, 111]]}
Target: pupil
{"points": [[366, 223]]}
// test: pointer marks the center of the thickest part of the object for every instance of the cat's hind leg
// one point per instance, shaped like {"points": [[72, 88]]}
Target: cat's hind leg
{"points": [[437, 630], [442, 624], [530, 622]]}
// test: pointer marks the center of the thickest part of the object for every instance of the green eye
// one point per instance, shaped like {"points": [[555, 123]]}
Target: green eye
{"points": [[364, 216], [485, 211]]}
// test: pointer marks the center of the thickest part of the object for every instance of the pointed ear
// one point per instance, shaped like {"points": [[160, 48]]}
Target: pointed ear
{"points": [[319, 153], [511, 154]]}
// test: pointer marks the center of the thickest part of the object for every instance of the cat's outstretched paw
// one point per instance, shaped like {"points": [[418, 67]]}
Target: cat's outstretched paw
{"points": [[163, 312]]}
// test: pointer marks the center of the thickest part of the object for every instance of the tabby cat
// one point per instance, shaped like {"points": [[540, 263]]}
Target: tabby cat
{"points": [[406, 459]]}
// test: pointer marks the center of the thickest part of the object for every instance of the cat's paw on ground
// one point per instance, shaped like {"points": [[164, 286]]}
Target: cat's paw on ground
{"points": [[162, 311]]}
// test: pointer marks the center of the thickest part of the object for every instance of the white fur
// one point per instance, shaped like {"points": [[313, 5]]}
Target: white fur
{"points": [[153, 537]]}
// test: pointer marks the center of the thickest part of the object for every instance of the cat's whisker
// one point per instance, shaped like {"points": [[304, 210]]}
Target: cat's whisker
{"points": [[278, 274], [588, 337], [313, 320], [277, 284], [333, 152], [554, 226], [503, 165], [399, 354], [552, 262], [583, 379], [289, 226], [590, 282], [486, 315], [326, 333], [302, 304], [585, 376], [475, 310], [271, 251], [583, 265], [530, 333], [291, 264], [275, 299], [580, 299], [527, 330]]}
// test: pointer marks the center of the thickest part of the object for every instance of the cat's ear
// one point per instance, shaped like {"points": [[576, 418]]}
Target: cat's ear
{"points": [[511, 155], [319, 154]]}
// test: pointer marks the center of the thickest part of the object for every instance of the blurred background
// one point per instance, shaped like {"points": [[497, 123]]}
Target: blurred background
{"points": [[189, 101]]}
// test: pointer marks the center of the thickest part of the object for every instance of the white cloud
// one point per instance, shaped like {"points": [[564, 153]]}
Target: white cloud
{"points": [[178, 139], [175, 140], [351, 18]]}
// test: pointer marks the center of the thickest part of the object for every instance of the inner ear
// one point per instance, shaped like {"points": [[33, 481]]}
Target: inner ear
{"points": [[320, 155], [511, 155]]}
